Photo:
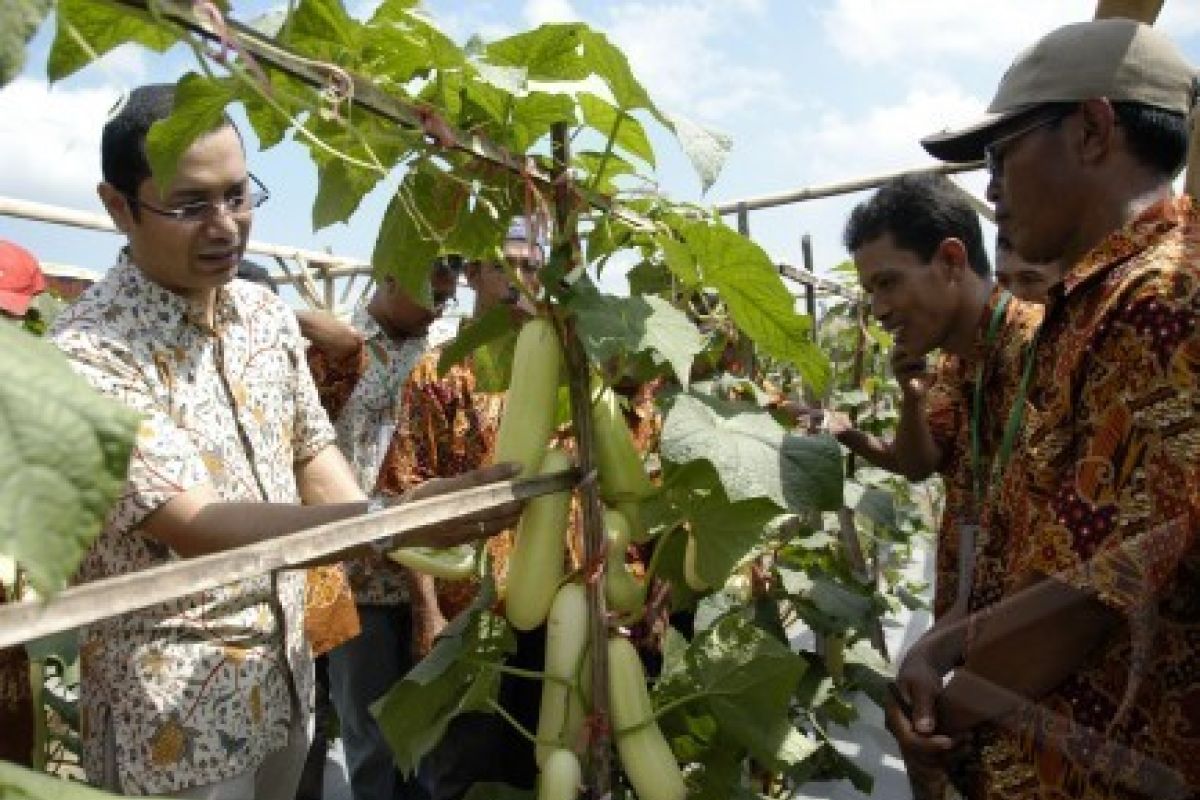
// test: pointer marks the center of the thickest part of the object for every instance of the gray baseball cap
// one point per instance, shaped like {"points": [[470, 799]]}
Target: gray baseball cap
{"points": [[1119, 59]]}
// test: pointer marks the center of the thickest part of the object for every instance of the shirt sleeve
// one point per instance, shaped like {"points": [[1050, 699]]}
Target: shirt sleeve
{"points": [[311, 431], [1123, 519], [164, 462]]}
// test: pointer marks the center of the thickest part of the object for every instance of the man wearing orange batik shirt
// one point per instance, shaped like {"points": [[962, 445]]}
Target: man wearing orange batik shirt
{"points": [[1076, 670]]}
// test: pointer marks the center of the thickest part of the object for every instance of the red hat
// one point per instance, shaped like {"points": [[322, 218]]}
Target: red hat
{"points": [[20, 278]]}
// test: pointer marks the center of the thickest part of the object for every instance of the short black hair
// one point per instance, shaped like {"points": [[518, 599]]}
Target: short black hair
{"points": [[123, 161], [920, 210], [1158, 138]]}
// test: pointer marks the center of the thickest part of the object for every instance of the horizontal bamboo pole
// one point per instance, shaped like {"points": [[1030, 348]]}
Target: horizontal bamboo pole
{"points": [[1146, 11], [90, 602], [834, 189]]}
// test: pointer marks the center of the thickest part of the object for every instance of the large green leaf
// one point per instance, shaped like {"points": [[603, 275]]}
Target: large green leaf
{"points": [[552, 52], [455, 677], [745, 678], [64, 454], [727, 532], [609, 64], [415, 227], [21, 783], [757, 299], [753, 455], [101, 25], [199, 109], [679, 259], [612, 327], [341, 184], [607, 120], [534, 115], [473, 334], [19, 20]]}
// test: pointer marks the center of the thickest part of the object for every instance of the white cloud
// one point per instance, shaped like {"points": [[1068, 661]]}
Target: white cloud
{"points": [[50, 141], [678, 51], [538, 12], [882, 31]]}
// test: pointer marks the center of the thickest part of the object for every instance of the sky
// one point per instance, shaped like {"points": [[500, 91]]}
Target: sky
{"points": [[811, 92]]}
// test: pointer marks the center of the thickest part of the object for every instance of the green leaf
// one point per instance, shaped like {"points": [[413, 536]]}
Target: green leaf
{"points": [[753, 455], [64, 454], [473, 334], [602, 170], [648, 278], [745, 679], [21, 783], [757, 299], [611, 327], [604, 118], [415, 227], [534, 115], [341, 185], [321, 29], [199, 109], [270, 126], [705, 148], [454, 677], [679, 260], [609, 64], [727, 532], [102, 25], [551, 52], [875, 504], [19, 21]]}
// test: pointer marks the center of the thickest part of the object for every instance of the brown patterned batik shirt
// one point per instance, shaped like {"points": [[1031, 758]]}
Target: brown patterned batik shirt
{"points": [[1101, 493]]}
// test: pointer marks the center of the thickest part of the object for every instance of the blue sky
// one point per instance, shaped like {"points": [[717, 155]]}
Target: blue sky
{"points": [[812, 92]]}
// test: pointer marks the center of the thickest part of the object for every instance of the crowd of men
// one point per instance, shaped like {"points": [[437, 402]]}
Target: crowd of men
{"points": [[1064, 661]]}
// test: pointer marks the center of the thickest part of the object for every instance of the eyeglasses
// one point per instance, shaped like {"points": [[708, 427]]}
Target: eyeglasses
{"points": [[237, 205], [993, 154]]}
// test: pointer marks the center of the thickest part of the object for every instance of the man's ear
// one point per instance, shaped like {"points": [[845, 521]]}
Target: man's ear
{"points": [[953, 254], [117, 205], [1098, 129]]}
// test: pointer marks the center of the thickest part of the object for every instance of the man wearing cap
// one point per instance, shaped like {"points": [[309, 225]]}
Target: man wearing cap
{"points": [[1077, 666]]}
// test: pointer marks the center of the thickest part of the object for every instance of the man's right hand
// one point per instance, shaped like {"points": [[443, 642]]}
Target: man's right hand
{"points": [[476, 526], [912, 373]]}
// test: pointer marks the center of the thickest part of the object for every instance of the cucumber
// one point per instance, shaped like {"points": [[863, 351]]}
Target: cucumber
{"points": [[529, 410], [622, 591], [450, 563], [560, 719], [645, 755], [536, 567], [561, 776], [622, 474]]}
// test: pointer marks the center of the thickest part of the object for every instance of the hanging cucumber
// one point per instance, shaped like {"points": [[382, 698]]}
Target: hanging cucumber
{"points": [[622, 591], [645, 755], [536, 566], [529, 409], [561, 717]]}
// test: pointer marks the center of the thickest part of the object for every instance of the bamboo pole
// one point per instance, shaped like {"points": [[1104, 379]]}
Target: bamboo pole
{"points": [[91, 602], [834, 189], [562, 258]]}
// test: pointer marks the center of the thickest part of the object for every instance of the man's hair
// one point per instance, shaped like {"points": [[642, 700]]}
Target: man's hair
{"points": [[123, 161], [1157, 138], [920, 211]]}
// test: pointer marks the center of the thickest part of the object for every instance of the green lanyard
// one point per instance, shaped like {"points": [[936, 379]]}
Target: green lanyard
{"points": [[1015, 415]]}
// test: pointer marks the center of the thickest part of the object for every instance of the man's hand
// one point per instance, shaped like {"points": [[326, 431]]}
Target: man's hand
{"points": [[329, 334], [476, 526], [912, 373], [838, 423], [910, 715]]}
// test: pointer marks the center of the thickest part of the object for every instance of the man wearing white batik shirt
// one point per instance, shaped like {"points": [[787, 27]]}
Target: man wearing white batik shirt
{"points": [[207, 695]]}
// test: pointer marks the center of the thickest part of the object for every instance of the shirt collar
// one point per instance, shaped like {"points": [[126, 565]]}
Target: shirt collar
{"points": [[167, 307], [1146, 229]]}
